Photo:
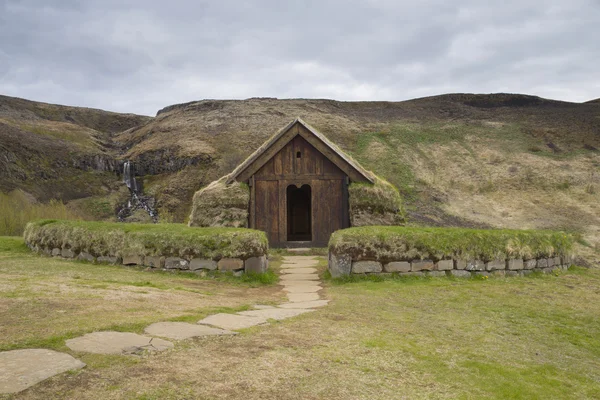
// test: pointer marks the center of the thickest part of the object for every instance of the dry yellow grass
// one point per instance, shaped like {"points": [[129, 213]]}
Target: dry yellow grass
{"points": [[409, 339]]}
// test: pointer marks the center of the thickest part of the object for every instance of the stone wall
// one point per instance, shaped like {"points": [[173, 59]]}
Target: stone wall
{"points": [[344, 264], [199, 265]]}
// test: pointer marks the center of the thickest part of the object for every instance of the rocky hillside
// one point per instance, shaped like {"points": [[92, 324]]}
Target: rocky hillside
{"points": [[59, 152], [461, 159]]}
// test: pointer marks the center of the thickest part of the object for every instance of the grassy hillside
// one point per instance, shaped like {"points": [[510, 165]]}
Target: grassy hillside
{"points": [[501, 160], [57, 152]]}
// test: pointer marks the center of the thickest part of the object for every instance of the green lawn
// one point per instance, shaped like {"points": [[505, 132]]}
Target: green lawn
{"points": [[535, 337]]}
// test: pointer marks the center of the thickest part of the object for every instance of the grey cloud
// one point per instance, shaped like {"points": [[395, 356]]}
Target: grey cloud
{"points": [[139, 56]]}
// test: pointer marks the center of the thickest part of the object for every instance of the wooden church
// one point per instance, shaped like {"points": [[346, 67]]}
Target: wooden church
{"points": [[298, 183]]}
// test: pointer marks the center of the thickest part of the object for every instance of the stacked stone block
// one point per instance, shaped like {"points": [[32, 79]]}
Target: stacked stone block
{"points": [[235, 265], [344, 264]]}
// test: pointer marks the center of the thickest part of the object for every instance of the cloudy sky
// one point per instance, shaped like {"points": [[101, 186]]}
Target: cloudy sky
{"points": [[141, 55]]}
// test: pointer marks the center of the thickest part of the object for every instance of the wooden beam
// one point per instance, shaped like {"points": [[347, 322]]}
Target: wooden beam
{"points": [[298, 177], [268, 154]]}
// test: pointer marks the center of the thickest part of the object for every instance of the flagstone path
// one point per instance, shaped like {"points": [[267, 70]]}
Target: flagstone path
{"points": [[20, 369]]}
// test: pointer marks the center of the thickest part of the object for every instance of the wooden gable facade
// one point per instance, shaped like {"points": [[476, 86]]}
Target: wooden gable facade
{"points": [[299, 187]]}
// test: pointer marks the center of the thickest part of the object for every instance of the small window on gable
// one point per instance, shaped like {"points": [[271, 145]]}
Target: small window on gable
{"points": [[298, 154]]}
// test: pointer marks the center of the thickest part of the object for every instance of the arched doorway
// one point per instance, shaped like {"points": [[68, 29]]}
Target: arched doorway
{"points": [[299, 214]]}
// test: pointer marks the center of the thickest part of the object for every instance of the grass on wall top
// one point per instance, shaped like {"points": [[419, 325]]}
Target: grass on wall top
{"points": [[408, 243], [118, 239]]}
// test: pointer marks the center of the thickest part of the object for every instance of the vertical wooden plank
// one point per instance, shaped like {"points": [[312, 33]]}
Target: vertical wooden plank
{"points": [[309, 157], [286, 158], [278, 164], [267, 197], [318, 163], [297, 148], [345, 204], [252, 211], [281, 216], [317, 221]]}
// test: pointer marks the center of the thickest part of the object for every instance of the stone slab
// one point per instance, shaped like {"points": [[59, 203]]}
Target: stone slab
{"points": [[230, 264], [275, 313], [302, 288], [542, 263], [257, 265], [183, 330], [232, 321], [108, 260], [530, 264], [460, 273], [301, 264], [339, 265], [475, 265], [133, 260], [20, 369], [299, 277], [302, 297], [413, 274], [363, 267], [495, 265], [262, 307], [305, 304], [436, 274], [299, 250], [305, 270], [67, 253], [397, 266], [117, 343], [154, 261], [515, 264], [296, 259], [176, 263], [200, 263], [556, 261], [421, 265], [56, 252], [444, 265], [460, 264]]}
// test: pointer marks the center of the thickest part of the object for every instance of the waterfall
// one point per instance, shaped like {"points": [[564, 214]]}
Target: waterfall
{"points": [[137, 200], [129, 176]]}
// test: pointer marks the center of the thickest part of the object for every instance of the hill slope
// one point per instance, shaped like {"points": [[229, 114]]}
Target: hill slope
{"points": [[61, 152], [501, 160]]}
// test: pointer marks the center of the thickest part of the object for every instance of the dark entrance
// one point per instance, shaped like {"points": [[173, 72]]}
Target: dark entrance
{"points": [[299, 214]]}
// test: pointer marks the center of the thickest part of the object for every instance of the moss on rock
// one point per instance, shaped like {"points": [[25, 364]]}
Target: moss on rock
{"points": [[375, 204], [221, 204]]}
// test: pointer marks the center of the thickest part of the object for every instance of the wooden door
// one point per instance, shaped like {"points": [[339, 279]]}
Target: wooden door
{"points": [[266, 212], [329, 209]]}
